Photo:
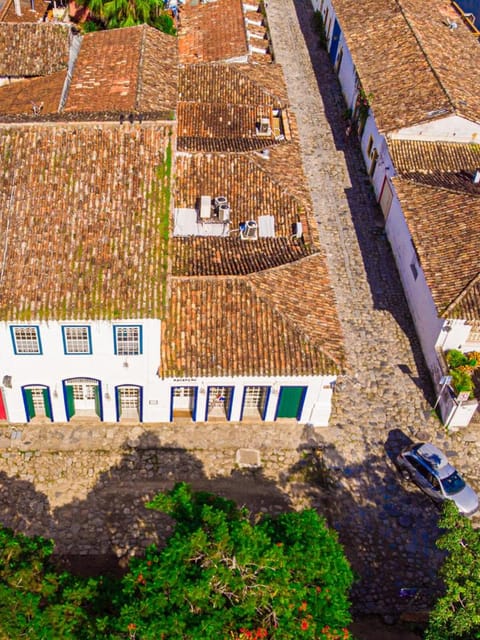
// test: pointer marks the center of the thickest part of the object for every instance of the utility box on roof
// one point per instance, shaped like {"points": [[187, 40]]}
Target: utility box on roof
{"points": [[205, 207]]}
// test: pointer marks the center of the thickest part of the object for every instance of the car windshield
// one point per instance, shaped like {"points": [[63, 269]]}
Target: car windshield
{"points": [[453, 484]]}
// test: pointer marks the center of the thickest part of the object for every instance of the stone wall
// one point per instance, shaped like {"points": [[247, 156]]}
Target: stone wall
{"points": [[92, 501]]}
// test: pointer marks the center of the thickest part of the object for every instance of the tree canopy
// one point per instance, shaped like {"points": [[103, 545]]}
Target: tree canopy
{"points": [[113, 14], [221, 574], [37, 601], [456, 615]]}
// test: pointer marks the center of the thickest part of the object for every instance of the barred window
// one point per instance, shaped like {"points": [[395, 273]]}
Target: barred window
{"points": [[128, 341], [76, 340], [26, 340]]}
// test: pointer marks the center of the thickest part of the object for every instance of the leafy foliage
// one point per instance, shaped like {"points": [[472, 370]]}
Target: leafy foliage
{"points": [[222, 576], [456, 615], [37, 601], [114, 14], [461, 366]]}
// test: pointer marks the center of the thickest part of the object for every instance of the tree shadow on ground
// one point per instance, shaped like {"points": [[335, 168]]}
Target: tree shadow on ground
{"points": [[100, 533], [387, 526], [383, 278]]}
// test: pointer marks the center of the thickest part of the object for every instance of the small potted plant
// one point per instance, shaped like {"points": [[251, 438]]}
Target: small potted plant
{"points": [[460, 367]]}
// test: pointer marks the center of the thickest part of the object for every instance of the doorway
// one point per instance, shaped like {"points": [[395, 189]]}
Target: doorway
{"points": [[254, 403], [219, 403], [183, 401], [37, 402], [83, 398], [290, 402], [129, 403]]}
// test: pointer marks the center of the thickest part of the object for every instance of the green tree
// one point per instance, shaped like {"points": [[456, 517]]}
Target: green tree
{"points": [[128, 13], [37, 601], [456, 615], [221, 575]]}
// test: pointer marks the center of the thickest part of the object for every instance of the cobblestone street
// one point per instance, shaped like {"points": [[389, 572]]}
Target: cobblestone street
{"points": [[389, 530]]}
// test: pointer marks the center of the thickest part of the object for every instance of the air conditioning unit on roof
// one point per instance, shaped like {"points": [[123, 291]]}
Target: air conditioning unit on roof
{"points": [[248, 230], [224, 213], [219, 200]]}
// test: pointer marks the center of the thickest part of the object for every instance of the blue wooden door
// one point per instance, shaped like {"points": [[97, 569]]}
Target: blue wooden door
{"points": [[335, 41]]}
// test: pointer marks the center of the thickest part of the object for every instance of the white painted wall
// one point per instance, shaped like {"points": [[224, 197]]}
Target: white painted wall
{"points": [[454, 335], [427, 323], [449, 129], [53, 366], [317, 404]]}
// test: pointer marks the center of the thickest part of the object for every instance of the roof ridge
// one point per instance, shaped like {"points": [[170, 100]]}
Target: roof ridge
{"points": [[139, 68], [419, 42], [437, 187], [259, 86], [299, 330], [461, 295]]}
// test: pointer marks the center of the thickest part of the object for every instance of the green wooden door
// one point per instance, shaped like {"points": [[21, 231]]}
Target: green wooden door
{"points": [[46, 401], [29, 404], [290, 402], [70, 401], [98, 408]]}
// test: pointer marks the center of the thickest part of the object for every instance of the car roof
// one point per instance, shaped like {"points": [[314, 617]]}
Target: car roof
{"points": [[435, 458]]}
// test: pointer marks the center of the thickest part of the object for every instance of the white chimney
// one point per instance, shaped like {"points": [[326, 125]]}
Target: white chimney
{"points": [[18, 10]]}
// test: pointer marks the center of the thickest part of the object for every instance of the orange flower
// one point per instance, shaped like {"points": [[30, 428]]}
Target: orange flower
{"points": [[304, 625], [132, 626], [303, 606]]}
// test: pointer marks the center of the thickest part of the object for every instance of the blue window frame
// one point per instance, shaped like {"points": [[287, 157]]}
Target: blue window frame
{"points": [[26, 340], [128, 340], [77, 340]]}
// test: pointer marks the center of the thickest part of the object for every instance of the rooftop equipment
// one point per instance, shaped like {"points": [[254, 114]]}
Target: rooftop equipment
{"points": [[248, 230], [205, 207], [224, 212]]}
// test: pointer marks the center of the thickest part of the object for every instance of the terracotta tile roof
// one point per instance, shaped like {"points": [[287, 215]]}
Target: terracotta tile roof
{"points": [[201, 256], [77, 209], [24, 96], [394, 43], [251, 189], [212, 32], [28, 50], [443, 216], [410, 156], [230, 84], [467, 305], [221, 105], [218, 127], [240, 327], [310, 306], [440, 164], [125, 70]]}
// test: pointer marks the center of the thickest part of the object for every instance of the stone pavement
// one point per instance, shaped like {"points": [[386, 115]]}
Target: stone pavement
{"points": [[85, 484], [388, 529]]}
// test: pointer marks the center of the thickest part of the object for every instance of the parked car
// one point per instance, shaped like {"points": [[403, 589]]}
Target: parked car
{"points": [[429, 468]]}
